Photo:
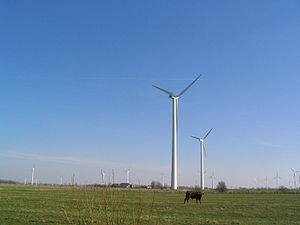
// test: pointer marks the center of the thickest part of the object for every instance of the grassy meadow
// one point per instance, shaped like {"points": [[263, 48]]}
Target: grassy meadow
{"points": [[93, 206]]}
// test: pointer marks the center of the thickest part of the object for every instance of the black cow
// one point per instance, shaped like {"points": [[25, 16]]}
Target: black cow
{"points": [[193, 195]]}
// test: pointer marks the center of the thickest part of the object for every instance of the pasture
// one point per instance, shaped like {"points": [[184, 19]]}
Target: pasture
{"points": [[92, 206]]}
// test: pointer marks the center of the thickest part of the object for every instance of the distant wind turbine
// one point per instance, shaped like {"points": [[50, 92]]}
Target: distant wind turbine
{"points": [[212, 177], [127, 176], [202, 152], [277, 179], [294, 178], [32, 176], [73, 179], [298, 178], [113, 176], [103, 176], [266, 182], [175, 99]]}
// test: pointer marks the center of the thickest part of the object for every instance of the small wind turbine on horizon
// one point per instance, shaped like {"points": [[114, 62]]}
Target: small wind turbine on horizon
{"points": [[32, 176], [298, 178], [113, 176], [277, 179], [212, 177], [294, 178], [202, 152], [175, 99], [266, 182], [73, 179], [127, 175], [103, 177]]}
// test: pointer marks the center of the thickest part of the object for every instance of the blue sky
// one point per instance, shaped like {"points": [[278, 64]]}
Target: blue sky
{"points": [[76, 94]]}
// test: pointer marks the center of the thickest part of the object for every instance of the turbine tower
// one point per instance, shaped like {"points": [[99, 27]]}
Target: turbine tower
{"points": [[127, 176], [202, 152], [212, 177], [294, 177], [298, 179], [113, 176], [175, 99], [32, 176], [277, 179], [103, 177]]}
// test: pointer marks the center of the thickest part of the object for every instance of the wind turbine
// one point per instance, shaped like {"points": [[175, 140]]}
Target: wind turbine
{"points": [[294, 177], [113, 176], [103, 177], [202, 152], [298, 178], [266, 182], [277, 178], [127, 176], [73, 179], [32, 176], [175, 99], [212, 177]]}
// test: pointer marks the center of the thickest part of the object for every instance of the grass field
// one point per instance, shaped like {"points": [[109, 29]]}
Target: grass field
{"points": [[67, 205]]}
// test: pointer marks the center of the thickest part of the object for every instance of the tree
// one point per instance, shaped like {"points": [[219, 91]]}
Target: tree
{"points": [[282, 189], [156, 184], [221, 187]]}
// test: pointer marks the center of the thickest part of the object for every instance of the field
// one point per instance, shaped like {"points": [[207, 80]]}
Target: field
{"points": [[73, 205]]}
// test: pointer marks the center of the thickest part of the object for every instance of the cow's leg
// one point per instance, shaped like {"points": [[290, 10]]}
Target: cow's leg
{"points": [[186, 200]]}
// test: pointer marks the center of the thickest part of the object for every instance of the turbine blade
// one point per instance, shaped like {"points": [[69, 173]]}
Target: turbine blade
{"points": [[181, 93], [168, 92], [208, 133], [196, 138]]}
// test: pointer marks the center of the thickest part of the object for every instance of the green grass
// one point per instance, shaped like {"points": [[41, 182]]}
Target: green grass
{"points": [[67, 205]]}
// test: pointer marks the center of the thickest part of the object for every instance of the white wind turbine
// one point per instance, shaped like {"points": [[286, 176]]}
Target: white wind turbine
{"points": [[103, 177], [212, 177], [277, 179], [266, 182], [175, 99], [202, 152], [294, 177], [32, 176], [127, 176], [298, 178], [113, 175]]}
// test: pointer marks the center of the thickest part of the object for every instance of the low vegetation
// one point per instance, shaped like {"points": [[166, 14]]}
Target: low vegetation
{"points": [[221, 187], [95, 206]]}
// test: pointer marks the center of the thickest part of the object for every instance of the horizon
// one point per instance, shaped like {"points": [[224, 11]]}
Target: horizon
{"points": [[77, 98]]}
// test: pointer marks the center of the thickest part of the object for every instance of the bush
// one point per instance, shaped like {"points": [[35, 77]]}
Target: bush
{"points": [[156, 184], [282, 189], [221, 187]]}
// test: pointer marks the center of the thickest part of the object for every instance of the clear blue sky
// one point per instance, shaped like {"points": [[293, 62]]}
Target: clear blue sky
{"points": [[76, 94]]}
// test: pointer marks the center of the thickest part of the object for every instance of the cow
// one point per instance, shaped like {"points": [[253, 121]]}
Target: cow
{"points": [[193, 195]]}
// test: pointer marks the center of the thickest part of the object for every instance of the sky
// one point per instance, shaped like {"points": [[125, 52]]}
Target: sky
{"points": [[76, 91]]}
